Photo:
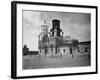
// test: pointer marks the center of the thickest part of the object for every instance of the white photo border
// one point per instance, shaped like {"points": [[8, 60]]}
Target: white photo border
{"points": [[20, 6]]}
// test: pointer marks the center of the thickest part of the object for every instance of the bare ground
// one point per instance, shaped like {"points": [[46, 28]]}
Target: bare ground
{"points": [[36, 62]]}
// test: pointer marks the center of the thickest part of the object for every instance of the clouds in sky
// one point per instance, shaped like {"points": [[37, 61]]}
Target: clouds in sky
{"points": [[76, 25]]}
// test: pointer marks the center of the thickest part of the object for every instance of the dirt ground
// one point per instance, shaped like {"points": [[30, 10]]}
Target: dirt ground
{"points": [[36, 62]]}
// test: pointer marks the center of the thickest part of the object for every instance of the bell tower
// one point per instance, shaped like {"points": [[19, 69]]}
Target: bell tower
{"points": [[44, 27], [55, 27], [44, 30]]}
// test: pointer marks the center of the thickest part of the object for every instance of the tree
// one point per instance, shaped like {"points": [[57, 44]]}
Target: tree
{"points": [[25, 50]]}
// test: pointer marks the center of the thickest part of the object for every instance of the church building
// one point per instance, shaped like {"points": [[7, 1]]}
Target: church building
{"points": [[53, 41]]}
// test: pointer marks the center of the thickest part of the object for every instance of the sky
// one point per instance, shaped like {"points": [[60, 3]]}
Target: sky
{"points": [[77, 25]]}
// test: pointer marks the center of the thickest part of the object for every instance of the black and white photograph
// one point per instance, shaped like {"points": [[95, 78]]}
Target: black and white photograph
{"points": [[56, 39], [53, 40]]}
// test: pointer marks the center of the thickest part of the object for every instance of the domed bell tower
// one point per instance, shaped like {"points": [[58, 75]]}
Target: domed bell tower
{"points": [[44, 30]]}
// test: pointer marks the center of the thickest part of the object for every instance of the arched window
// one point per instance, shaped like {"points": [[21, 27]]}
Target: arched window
{"points": [[58, 50], [64, 50]]}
